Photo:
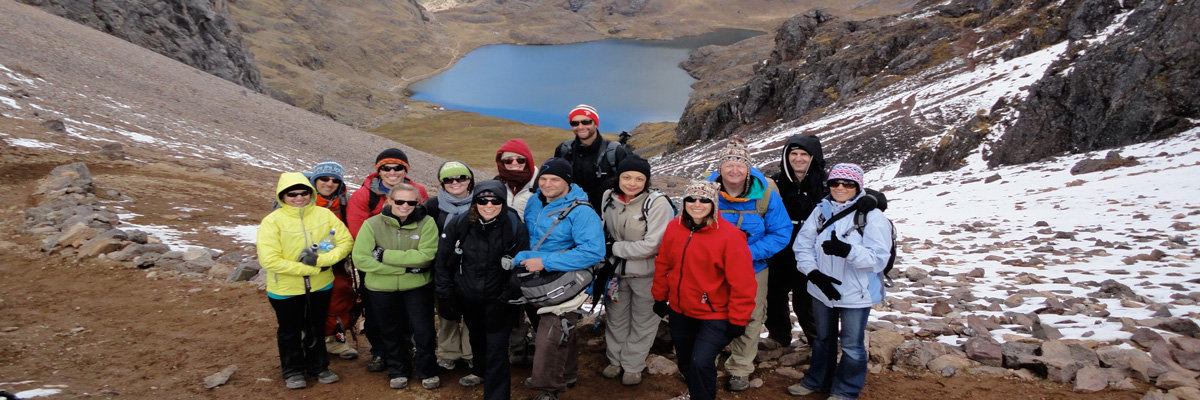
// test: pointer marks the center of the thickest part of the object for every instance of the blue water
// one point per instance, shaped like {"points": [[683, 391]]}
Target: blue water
{"points": [[628, 81]]}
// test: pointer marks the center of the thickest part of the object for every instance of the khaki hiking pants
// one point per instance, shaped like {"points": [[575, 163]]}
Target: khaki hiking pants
{"points": [[744, 348], [631, 324]]}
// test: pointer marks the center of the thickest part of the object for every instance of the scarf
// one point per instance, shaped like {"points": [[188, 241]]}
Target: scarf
{"points": [[516, 180], [452, 206]]}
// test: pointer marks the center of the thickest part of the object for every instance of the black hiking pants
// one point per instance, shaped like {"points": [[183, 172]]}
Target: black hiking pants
{"points": [[786, 279], [301, 333], [489, 324]]}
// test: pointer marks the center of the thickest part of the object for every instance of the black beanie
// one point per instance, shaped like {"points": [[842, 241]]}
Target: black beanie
{"points": [[557, 167], [634, 163]]}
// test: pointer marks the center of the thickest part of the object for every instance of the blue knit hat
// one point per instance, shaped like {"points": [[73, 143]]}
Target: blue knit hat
{"points": [[327, 168]]}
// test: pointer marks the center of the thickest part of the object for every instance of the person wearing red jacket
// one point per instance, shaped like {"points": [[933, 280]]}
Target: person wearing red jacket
{"points": [[391, 169], [704, 279], [326, 177]]}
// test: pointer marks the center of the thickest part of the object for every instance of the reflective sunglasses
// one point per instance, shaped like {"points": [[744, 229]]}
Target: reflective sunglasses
{"points": [[451, 179], [483, 201], [329, 178], [585, 122], [510, 160], [410, 203], [702, 200], [389, 168], [300, 193], [843, 183]]}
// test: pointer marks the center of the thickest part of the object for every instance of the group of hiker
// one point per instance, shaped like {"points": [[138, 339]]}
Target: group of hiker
{"points": [[495, 272]]}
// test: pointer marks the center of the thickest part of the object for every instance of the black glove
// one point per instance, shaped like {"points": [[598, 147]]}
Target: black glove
{"points": [[308, 256], [608, 247], [734, 331], [377, 254], [835, 246], [448, 309], [661, 308], [825, 283]]}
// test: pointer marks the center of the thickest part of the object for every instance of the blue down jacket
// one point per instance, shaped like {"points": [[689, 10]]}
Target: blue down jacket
{"points": [[576, 243]]}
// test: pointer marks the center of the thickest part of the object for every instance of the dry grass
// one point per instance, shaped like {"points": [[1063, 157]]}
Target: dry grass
{"points": [[653, 138]]}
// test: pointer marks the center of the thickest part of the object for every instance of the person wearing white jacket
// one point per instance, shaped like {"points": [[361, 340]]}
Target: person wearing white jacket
{"points": [[844, 263]]}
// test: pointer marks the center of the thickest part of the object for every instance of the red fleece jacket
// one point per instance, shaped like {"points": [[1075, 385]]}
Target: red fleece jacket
{"points": [[707, 274]]}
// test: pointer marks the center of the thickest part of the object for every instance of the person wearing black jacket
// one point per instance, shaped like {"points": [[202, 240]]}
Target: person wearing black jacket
{"points": [[473, 268], [453, 199], [801, 182], [592, 166]]}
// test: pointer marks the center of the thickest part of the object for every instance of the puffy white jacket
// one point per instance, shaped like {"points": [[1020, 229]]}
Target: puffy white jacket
{"points": [[861, 270]]}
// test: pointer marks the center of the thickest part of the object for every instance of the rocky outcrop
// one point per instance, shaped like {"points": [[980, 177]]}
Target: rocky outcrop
{"points": [[199, 33], [1139, 85]]}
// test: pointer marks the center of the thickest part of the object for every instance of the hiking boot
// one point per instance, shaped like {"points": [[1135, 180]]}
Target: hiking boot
{"points": [[327, 376], [739, 383], [376, 364], [340, 349], [295, 382], [470, 380], [546, 396], [570, 383], [398, 383], [431, 383], [799, 390], [611, 371], [446, 364], [684, 396], [631, 378]]}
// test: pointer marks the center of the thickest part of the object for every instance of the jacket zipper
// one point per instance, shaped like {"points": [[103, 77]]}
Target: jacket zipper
{"points": [[682, 258], [704, 299]]}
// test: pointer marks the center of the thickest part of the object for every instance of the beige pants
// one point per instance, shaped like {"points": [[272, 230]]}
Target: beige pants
{"points": [[631, 324], [745, 347], [453, 341]]}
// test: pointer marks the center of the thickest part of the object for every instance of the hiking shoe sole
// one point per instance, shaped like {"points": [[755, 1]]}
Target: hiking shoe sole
{"points": [[799, 390], [470, 380], [398, 383], [295, 382], [327, 376], [431, 383]]}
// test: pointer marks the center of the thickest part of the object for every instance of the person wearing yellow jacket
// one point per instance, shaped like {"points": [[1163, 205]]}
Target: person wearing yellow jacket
{"points": [[396, 249], [297, 243]]}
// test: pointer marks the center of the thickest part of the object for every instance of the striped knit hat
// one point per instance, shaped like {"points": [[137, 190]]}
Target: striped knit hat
{"points": [[847, 171], [703, 190], [584, 110], [735, 150]]}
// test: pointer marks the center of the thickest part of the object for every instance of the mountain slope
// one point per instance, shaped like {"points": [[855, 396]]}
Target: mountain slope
{"points": [[947, 81]]}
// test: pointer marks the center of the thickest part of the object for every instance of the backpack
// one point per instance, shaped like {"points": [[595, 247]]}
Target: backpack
{"points": [[566, 151], [550, 288], [760, 205], [860, 222]]}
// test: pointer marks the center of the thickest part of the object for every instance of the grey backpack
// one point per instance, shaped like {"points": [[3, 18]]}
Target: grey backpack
{"points": [[551, 288]]}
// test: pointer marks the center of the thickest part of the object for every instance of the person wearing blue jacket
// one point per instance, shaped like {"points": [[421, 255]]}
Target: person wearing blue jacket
{"points": [[750, 202], [574, 241], [844, 263]]}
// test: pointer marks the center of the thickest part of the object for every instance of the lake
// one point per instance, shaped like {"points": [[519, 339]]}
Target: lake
{"points": [[628, 81]]}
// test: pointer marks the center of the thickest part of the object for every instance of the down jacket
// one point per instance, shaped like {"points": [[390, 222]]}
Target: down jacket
{"points": [[576, 243], [860, 271], [765, 234], [636, 239], [287, 231], [474, 272], [705, 274]]}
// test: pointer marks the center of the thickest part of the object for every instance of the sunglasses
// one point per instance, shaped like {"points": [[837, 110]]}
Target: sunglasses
{"points": [[584, 122], [842, 183], [410, 203], [389, 168], [483, 201], [510, 160], [451, 179], [301, 193], [702, 200], [329, 178]]}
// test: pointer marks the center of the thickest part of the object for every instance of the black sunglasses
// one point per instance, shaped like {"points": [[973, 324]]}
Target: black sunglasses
{"points": [[451, 179], [329, 178], [510, 160], [298, 193], [411, 203], [843, 183], [483, 201], [702, 200], [388, 168], [585, 122]]}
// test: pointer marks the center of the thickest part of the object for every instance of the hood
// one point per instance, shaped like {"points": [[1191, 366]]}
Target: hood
{"points": [[289, 179], [493, 185], [517, 146], [809, 143]]}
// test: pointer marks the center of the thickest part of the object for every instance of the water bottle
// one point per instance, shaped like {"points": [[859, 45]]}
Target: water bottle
{"points": [[328, 243]]}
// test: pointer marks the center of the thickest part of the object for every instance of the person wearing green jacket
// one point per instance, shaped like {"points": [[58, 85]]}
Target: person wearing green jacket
{"points": [[395, 249], [297, 243]]}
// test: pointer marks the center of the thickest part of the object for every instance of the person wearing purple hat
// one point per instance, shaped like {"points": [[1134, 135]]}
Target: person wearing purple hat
{"points": [[844, 263]]}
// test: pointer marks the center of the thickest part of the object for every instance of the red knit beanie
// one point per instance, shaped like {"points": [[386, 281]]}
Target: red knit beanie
{"points": [[584, 110]]}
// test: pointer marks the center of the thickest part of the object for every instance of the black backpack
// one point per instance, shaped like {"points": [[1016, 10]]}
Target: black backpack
{"points": [[566, 151], [550, 288], [860, 222]]}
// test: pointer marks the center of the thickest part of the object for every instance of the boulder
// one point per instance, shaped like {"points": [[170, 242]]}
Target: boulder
{"points": [[985, 350], [1173, 379], [66, 179], [882, 346], [1157, 395], [948, 365], [1019, 355], [790, 373], [244, 271], [1135, 363], [220, 377], [916, 354], [1091, 380], [1046, 332], [1182, 326], [1146, 337], [98, 246], [1185, 393], [659, 365], [794, 358], [221, 271]]}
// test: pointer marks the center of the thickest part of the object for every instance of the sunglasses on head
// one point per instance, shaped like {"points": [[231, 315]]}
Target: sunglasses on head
{"points": [[584, 122], [300, 193], [510, 160], [483, 201], [329, 178], [390, 168], [410, 203], [843, 183], [451, 179], [702, 200]]}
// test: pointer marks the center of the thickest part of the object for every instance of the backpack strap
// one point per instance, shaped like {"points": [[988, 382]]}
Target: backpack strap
{"points": [[564, 149], [827, 222], [762, 204], [558, 217], [610, 153]]}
